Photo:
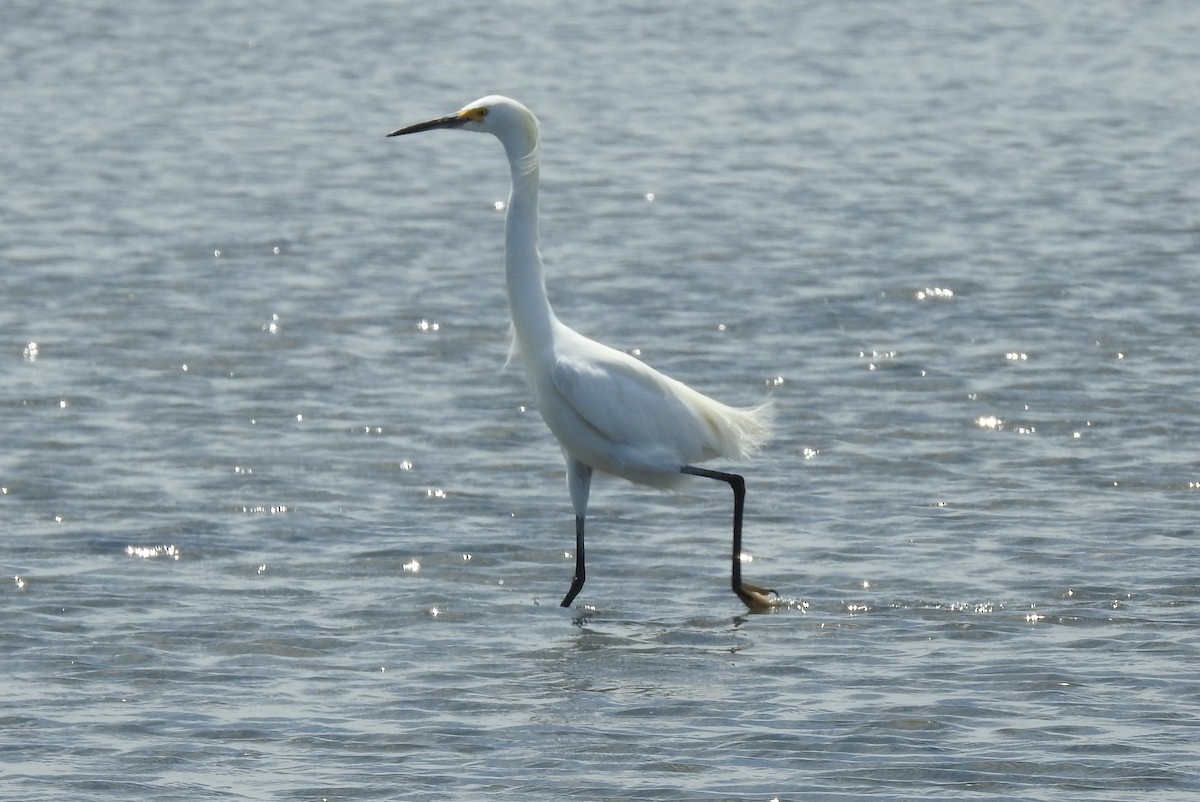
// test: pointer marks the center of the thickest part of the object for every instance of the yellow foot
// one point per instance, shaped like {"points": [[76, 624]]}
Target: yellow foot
{"points": [[757, 598]]}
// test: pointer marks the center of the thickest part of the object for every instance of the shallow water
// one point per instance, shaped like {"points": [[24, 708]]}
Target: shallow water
{"points": [[279, 525]]}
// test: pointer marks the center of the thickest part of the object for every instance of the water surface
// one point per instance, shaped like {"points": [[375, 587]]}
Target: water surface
{"points": [[279, 525]]}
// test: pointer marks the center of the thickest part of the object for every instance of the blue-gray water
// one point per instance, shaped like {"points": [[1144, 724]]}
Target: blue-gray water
{"points": [[277, 524]]}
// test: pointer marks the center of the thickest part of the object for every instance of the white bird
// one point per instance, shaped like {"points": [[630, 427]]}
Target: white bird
{"points": [[610, 412]]}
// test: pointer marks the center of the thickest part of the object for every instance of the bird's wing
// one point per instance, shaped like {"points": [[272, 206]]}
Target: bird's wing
{"points": [[629, 402]]}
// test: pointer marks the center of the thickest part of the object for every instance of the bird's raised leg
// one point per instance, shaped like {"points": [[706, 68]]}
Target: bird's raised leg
{"points": [[753, 596], [579, 480]]}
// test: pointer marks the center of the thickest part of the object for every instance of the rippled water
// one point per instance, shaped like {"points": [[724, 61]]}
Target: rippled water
{"points": [[278, 525]]}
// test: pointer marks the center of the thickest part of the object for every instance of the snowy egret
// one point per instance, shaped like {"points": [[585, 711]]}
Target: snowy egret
{"points": [[610, 412]]}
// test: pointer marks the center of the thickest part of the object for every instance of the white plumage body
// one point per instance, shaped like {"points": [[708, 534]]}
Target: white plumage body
{"points": [[620, 416]]}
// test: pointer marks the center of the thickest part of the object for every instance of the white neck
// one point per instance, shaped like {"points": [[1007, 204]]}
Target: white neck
{"points": [[528, 304]]}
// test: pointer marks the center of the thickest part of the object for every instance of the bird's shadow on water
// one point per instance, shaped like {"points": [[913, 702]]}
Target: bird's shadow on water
{"points": [[596, 630], [668, 626]]}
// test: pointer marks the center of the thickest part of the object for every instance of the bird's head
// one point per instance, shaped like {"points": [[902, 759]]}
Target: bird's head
{"points": [[503, 117]]}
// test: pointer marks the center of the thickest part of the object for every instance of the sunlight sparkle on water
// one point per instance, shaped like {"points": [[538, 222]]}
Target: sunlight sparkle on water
{"points": [[152, 552], [979, 608], [263, 509], [876, 358]]}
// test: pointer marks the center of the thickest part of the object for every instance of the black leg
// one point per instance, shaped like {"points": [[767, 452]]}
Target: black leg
{"points": [[580, 574], [753, 596]]}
